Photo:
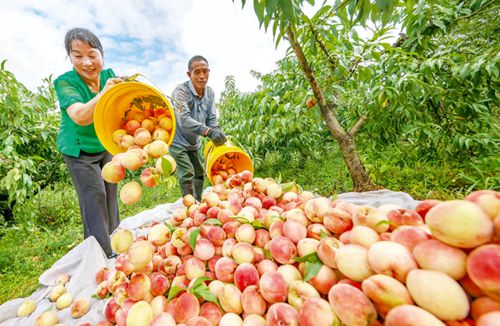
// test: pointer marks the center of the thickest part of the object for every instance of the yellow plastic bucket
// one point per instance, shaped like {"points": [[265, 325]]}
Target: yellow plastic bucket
{"points": [[116, 102], [225, 156]]}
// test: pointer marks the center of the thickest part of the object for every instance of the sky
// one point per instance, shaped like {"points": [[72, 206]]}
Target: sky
{"points": [[155, 38]]}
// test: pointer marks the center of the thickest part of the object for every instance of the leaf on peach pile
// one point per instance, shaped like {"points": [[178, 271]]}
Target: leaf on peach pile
{"points": [[313, 265], [174, 291], [193, 236], [213, 221]]}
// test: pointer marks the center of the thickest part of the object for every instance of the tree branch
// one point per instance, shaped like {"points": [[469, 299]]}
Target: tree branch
{"points": [[357, 125]]}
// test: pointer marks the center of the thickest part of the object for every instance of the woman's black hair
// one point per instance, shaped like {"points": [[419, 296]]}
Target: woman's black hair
{"points": [[84, 35]]}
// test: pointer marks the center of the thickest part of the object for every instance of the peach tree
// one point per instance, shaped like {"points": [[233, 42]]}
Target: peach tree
{"points": [[28, 156], [361, 81]]}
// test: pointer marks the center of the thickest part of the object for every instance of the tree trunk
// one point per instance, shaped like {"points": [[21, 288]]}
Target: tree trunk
{"points": [[359, 175], [357, 171]]}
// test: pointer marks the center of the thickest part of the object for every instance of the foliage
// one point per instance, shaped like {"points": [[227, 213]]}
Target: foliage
{"points": [[273, 117], [28, 130]]}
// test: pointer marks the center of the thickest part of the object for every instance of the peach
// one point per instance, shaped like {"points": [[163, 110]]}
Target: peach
{"points": [[385, 292], [130, 193], [140, 314], [225, 268], [186, 307], [150, 177], [307, 246], [110, 309], [398, 217], [470, 287], [290, 273], [142, 136], [159, 284], [227, 247], [140, 253], [374, 218], [488, 200], [46, 318], [118, 134], [391, 258], [139, 286], [317, 231], [273, 287], [351, 305], [159, 234], [26, 308], [283, 250], [194, 268], [282, 314], [242, 252], [460, 223], [324, 279], [80, 307], [169, 265], [245, 275], [259, 184], [410, 315], [179, 238], [266, 265], [212, 312], [231, 319], [245, 233], [489, 319], [316, 209], [158, 305], [56, 292], [317, 311], [294, 230], [101, 274], [163, 319], [230, 299], [409, 236], [337, 221], [299, 291], [363, 236], [64, 301], [131, 126], [121, 240], [483, 267], [483, 305], [161, 134], [254, 320], [125, 142], [157, 148], [297, 215], [204, 249], [230, 228], [252, 301], [276, 228], [435, 255], [425, 205], [261, 237], [326, 250], [438, 293], [113, 172], [216, 235], [352, 261]]}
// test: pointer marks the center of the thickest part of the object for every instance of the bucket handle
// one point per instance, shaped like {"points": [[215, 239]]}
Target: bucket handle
{"points": [[134, 78]]}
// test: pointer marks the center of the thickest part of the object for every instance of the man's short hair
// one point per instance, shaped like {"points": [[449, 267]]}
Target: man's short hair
{"points": [[194, 59]]}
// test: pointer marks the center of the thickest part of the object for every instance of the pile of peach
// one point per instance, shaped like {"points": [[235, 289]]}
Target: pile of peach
{"points": [[143, 136], [224, 167], [251, 254]]}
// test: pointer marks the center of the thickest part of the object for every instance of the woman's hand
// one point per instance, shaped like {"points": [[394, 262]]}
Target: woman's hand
{"points": [[110, 82]]}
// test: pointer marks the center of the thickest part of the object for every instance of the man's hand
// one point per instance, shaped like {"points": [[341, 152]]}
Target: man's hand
{"points": [[217, 136]]}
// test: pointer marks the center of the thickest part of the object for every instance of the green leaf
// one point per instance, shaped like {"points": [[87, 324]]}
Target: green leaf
{"points": [[312, 258], [193, 236], [166, 167], [174, 291], [213, 221], [200, 281], [267, 254], [323, 234], [170, 227], [383, 5], [312, 270], [258, 225]]}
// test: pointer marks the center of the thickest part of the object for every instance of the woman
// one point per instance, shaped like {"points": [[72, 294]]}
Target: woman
{"points": [[78, 91]]}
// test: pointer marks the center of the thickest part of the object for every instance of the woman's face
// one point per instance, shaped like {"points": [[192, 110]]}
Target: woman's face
{"points": [[86, 60]]}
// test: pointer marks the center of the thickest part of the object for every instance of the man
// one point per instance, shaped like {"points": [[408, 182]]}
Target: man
{"points": [[195, 116]]}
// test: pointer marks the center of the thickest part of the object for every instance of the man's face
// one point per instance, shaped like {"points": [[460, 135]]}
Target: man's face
{"points": [[199, 75]]}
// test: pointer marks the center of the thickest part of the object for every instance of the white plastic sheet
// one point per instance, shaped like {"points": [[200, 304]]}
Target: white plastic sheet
{"points": [[83, 261]]}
